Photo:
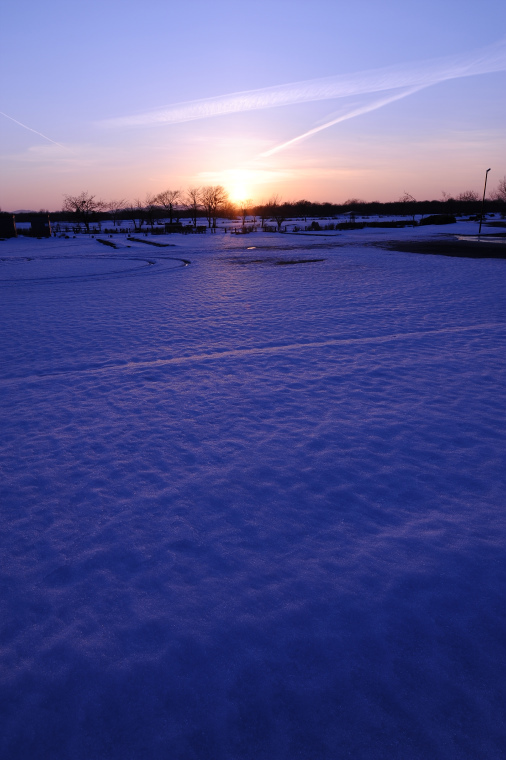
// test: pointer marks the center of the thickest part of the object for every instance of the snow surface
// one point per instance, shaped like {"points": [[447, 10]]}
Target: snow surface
{"points": [[252, 510]]}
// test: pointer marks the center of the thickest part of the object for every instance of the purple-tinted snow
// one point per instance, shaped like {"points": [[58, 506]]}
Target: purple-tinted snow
{"points": [[251, 510]]}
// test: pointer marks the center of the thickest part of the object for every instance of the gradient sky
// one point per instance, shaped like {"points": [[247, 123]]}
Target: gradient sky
{"points": [[87, 90]]}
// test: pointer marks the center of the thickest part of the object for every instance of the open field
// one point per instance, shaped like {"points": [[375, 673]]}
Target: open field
{"points": [[253, 497]]}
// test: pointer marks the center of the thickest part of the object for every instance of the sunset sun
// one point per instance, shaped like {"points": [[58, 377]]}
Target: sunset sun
{"points": [[239, 191]]}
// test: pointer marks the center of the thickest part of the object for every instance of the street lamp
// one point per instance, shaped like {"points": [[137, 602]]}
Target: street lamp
{"points": [[483, 201]]}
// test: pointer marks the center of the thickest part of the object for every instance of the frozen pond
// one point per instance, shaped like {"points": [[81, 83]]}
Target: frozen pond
{"points": [[253, 506]]}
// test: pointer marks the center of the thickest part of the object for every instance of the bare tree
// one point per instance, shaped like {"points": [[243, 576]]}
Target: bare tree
{"points": [[168, 199], [192, 202], [277, 210], [137, 213], [468, 195], [245, 207], [213, 199], [263, 212], [499, 194], [206, 198], [84, 207], [150, 208], [228, 210], [115, 207], [303, 208], [410, 205]]}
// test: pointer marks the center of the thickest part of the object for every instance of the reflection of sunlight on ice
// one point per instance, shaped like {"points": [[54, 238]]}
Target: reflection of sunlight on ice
{"points": [[481, 238]]}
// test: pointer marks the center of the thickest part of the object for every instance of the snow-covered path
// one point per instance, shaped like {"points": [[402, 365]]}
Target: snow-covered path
{"points": [[251, 510]]}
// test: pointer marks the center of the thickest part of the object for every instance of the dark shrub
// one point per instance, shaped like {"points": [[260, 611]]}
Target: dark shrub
{"points": [[438, 219]]}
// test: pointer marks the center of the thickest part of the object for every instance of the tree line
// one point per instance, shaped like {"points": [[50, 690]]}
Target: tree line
{"points": [[212, 202]]}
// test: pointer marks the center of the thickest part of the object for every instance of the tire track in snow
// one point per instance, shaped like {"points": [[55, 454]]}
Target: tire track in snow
{"points": [[239, 353]]}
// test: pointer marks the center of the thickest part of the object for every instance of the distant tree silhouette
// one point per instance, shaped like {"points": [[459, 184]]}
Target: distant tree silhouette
{"points": [[115, 207], [206, 200], [137, 213], [499, 194], [409, 203], [263, 212], [245, 206], [213, 199], [150, 208], [83, 207], [279, 212], [168, 200], [468, 195], [303, 208], [192, 203]]}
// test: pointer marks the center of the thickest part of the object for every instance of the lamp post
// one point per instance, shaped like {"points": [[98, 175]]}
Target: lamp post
{"points": [[483, 201]]}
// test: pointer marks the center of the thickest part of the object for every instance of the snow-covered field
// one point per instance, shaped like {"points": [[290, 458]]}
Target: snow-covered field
{"points": [[252, 510]]}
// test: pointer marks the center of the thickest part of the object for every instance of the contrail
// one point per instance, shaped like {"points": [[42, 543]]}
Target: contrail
{"points": [[355, 112], [411, 75], [33, 130]]}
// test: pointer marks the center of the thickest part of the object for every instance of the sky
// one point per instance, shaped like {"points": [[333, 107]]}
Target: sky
{"points": [[323, 100]]}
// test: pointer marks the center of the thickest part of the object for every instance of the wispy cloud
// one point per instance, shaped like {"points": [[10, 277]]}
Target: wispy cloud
{"points": [[71, 159], [410, 77]]}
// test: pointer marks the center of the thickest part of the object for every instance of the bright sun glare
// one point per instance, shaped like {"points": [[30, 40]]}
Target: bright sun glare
{"points": [[238, 192]]}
